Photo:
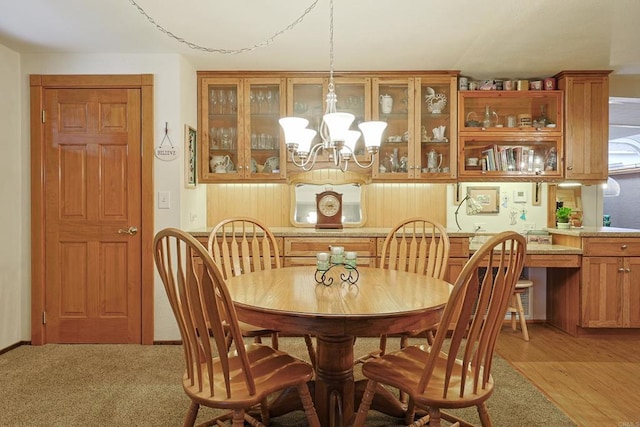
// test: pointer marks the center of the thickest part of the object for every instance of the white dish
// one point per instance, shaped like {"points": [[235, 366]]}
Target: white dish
{"points": [[271, 164]]}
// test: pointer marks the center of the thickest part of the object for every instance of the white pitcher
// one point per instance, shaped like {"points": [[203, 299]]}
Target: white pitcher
{"points": [[386, 104], [219, 164]]}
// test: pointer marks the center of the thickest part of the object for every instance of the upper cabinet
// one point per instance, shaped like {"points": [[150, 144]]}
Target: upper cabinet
{"points": [[239, 129], [586, 129], [434, 133], [421, 135], [510, 135]]}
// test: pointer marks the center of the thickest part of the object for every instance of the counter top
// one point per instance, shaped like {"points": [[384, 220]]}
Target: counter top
{"points": [[596, 232], [313, 232]]}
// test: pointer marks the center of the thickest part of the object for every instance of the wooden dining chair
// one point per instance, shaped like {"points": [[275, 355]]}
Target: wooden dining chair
{"points": [[241, 245], [455, 372], [416, 245], [234, 381]]}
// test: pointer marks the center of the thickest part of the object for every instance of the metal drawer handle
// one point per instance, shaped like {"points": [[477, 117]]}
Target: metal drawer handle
{"points": [[130, 231], [623, 247]]}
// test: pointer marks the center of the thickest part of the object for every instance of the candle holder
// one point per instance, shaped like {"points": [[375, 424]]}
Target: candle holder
{"points": [[350, 275]]}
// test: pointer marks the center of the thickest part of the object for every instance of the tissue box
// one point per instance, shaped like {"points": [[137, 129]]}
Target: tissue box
{"points": [[540, 239]]}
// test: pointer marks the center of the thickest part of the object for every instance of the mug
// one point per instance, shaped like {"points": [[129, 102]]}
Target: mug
{"points": [[508, 85], [219, 164], [386, 104]]}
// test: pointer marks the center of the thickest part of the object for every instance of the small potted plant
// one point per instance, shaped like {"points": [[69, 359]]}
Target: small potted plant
{"points": [[562, 216]]}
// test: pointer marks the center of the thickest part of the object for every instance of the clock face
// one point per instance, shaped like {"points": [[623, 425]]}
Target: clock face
{"points": [[329, 205]]}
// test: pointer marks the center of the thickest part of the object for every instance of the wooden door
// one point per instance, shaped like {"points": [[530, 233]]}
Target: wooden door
{"points": [[92, 205]]}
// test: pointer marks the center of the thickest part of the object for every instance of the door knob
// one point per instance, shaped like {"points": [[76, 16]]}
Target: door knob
{"points": [[130, 231]]}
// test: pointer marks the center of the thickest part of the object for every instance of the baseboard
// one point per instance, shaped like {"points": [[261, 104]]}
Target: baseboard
{"points": [[13, 346], [168, 342]]}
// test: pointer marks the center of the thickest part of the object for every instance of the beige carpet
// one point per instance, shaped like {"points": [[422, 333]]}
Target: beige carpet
{"points": [[132, 385]]}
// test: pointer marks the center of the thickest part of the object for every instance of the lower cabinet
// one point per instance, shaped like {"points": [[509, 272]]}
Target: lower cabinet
{"points": [[610, 290]]}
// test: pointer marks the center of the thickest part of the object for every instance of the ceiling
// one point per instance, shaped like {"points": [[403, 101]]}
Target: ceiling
{"points": [[483, 39]]}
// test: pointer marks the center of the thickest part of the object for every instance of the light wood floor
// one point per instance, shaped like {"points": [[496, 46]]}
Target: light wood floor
{"points": [[594, 380]]}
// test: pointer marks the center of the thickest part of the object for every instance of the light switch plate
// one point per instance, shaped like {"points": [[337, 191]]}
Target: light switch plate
{"points": [[164, 200]]}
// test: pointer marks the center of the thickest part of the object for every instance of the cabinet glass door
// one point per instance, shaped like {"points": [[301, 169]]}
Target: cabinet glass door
{"points": [[264, 153], [394, 104], [220, 149], [305, 99], [354, 96], [435, 132]]}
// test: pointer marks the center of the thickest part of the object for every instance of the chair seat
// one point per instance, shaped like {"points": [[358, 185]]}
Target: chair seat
{"points": [[249, 330], [272, 370], [398, 369]]}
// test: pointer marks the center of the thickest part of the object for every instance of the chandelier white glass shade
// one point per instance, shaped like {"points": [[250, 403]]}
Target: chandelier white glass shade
{"points": [[340, 140]]}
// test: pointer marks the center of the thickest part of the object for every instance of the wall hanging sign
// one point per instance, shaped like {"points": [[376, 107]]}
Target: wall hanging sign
{"points": [[166, 150]]}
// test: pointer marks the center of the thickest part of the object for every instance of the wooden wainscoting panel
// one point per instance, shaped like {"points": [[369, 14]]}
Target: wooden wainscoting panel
{"points": [[385, 203]]}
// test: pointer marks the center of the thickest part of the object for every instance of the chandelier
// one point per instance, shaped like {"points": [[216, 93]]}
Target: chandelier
{"points": [[337, 138]]}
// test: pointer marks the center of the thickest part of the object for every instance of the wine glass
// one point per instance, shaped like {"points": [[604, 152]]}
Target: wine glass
{"points": [[213, 99], [231, 96], [260, 100], [222, 100], [269, 98]]}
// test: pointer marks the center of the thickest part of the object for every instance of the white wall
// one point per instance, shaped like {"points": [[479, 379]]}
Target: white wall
{"points": [[174, 103], [14, 265], [501, 221]]}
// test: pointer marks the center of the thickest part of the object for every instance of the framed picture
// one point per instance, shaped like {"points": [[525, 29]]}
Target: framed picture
{"points": [[190, 150], [487, 197]]}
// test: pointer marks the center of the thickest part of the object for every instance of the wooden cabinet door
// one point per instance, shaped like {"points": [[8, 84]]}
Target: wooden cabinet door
{"points": [[602, 292], [221, 134], [631, 293], [586, 124]]}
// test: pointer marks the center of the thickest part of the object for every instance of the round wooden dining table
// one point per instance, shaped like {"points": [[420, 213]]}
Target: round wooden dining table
{"points": [[381, 302]]}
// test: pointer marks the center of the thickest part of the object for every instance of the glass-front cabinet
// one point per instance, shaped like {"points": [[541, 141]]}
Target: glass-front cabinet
{"points": [[239, 129], [306, 98], [510, 134], [421, 135], [395, 105], [436, 127]]}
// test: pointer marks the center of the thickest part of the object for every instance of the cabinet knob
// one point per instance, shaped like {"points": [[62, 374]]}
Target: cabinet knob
{"points": [[623, 247], [627, 270], [621, 270]]}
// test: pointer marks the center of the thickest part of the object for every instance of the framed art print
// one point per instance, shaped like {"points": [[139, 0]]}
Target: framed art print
{"points": [[190, 150], [487, 197]]}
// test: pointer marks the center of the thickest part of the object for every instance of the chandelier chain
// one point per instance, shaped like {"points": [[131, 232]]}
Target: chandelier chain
{"points": [[331, 45], [258, 45]]}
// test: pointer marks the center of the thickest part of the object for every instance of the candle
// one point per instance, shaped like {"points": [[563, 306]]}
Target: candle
{"points": [[351, 260], [337, 254], [322, 263]]}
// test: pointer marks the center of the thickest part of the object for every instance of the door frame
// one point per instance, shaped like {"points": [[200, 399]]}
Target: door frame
{"points": [[38, 83]]}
